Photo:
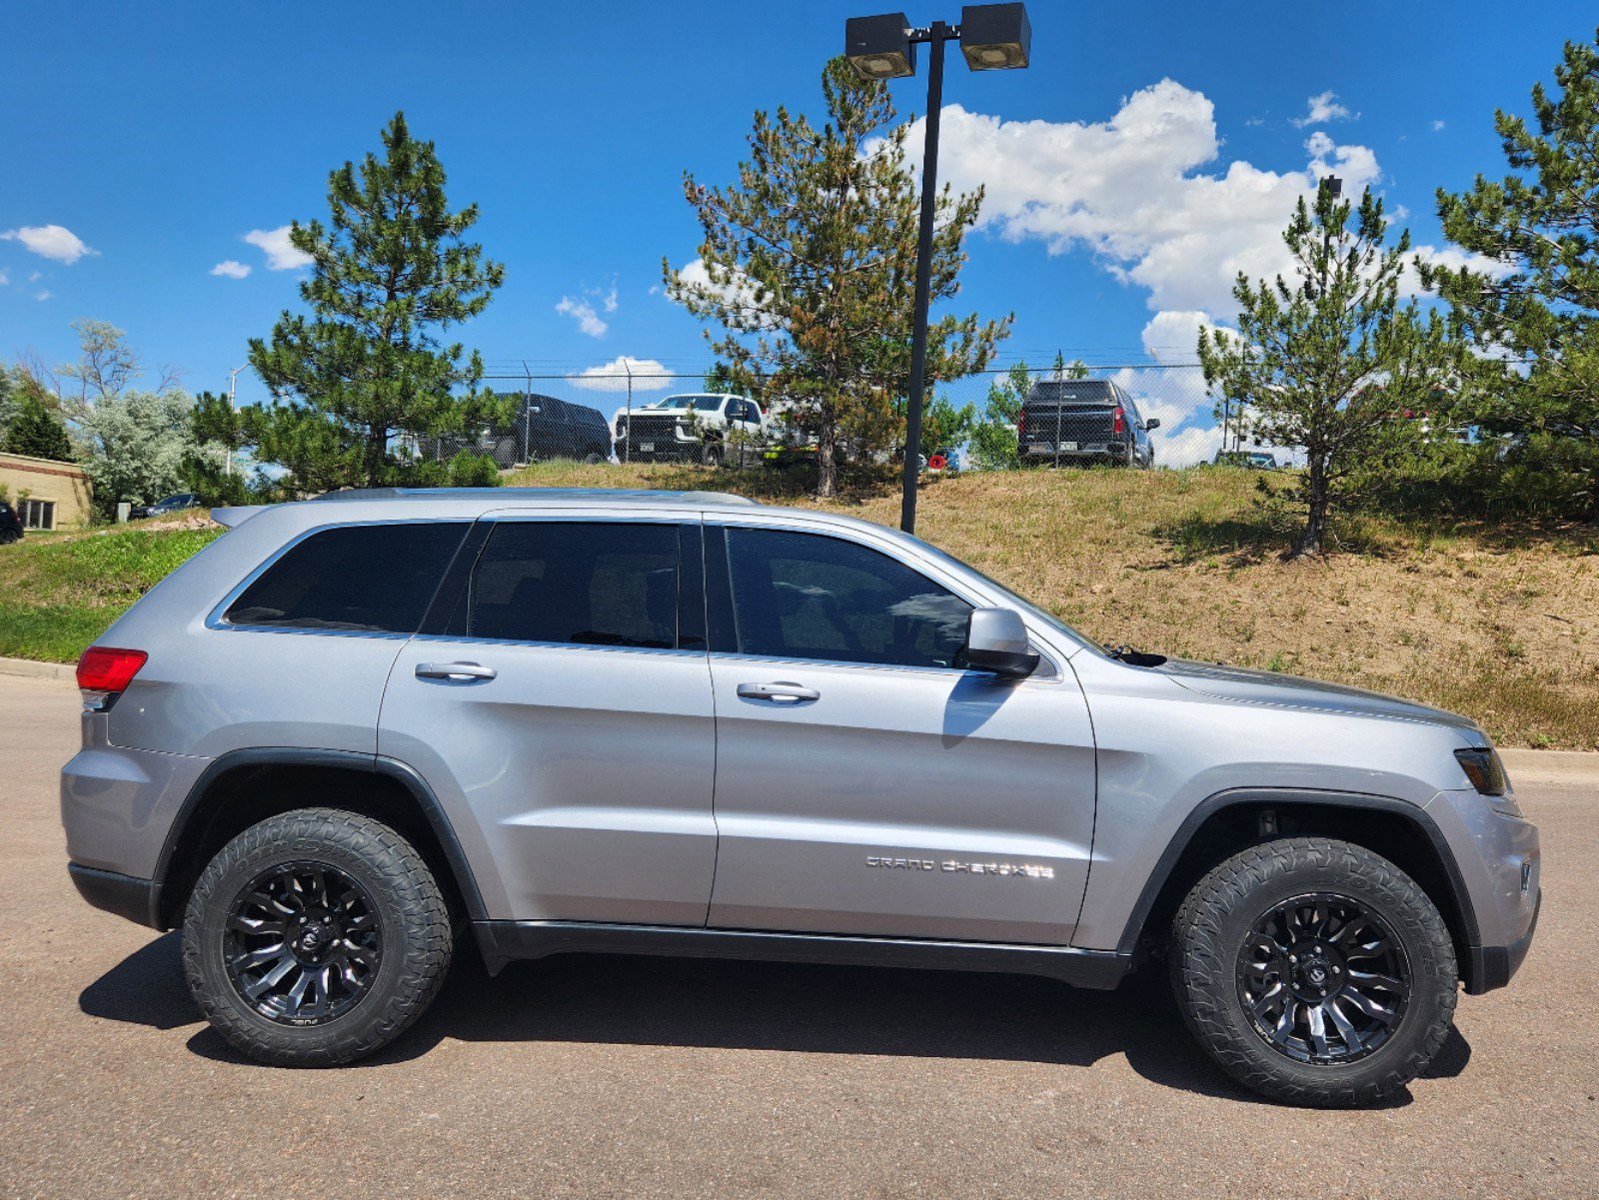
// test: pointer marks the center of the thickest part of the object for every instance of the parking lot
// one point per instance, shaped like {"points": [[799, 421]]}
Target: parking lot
{"points": [[588, 1077]]}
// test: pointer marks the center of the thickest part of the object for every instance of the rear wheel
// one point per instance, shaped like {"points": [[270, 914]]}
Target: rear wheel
{"points": [[1314, 971], [314, 938]]}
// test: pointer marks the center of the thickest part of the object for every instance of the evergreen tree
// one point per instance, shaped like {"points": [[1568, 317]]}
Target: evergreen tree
{"points": [[809, 268], [1535, 322], [388, 274], [994, 442], [36, 431], [1329, 361]]}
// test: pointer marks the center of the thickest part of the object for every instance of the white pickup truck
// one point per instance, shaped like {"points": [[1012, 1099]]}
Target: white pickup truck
{"points": [[693, 427]]}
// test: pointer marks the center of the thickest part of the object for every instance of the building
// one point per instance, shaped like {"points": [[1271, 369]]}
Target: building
{"points": [[46, 494]]}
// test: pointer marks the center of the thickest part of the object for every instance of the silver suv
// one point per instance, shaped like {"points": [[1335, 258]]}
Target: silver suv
{"points": [[353, 729]]}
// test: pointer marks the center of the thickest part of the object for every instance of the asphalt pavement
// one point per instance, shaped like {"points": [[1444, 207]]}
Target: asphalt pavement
{"points": [[653, 1077]]}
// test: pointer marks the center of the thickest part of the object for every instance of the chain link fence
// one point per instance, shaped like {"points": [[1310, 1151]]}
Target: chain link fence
{"points": [[577, 415]]}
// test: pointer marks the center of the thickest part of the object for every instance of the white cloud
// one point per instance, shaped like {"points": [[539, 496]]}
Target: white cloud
{"points": [[4, 279], [35, 276], [1129, 190], [49, 241], [280, 253], [1321, 109], [1437, 126], [230, 269], [608, 301], [732, 287], [612, 376], [589, 321], [45, 295]]}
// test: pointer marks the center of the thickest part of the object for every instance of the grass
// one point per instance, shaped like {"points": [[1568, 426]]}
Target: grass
{"points": [[1501, 623]]}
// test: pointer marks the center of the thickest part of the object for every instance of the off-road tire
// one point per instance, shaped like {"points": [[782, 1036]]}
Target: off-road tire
{"points": [[1208, 934], [411, 913], [713, 455]]}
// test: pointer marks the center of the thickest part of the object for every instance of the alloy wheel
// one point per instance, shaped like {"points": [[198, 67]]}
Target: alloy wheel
{"points": [[302, 943], [1323, 979]]}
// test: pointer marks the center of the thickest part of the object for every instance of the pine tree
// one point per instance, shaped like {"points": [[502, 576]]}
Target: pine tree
{"points": [[1540, 310], [809, 268], [1329, 361], [388, 274]]}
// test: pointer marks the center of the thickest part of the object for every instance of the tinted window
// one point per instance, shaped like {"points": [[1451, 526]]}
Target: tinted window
{"points": [[365, 577], [590, 584], [798, 595]]}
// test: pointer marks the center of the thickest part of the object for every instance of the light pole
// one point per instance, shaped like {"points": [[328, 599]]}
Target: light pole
{"points": [[233, 379], [993, 37]]}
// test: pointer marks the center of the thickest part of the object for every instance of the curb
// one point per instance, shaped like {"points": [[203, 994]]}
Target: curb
{"points": [[1551, 766], [38, 670]]}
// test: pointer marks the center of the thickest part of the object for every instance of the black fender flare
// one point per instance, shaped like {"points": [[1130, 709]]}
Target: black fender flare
{"points": [[1133, 932], [347, 760]]}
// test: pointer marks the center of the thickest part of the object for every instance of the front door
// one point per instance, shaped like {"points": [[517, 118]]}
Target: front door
{"points": [[866, 783], [563, 715]]}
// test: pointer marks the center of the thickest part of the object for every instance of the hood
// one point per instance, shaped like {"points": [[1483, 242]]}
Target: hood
{"points": [[1269, 687]]}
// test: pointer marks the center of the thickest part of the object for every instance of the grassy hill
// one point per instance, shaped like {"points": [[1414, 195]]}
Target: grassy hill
{"points": [[1489, 622]]}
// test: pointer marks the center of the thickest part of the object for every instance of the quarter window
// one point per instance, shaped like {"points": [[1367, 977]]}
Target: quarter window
{"points": [[370, 578], [800, 595], [585, 584]]}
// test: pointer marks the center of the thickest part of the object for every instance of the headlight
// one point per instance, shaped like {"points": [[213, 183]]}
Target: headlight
{"points": [[1487, 774]]}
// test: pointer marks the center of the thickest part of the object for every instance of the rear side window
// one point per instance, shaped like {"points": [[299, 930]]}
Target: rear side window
{"points": [[368, 578], [802, 595], [576, 583]]}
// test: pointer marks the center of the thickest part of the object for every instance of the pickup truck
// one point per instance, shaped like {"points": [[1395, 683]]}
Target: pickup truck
{"points": [[692, 428], [1075, 422]]}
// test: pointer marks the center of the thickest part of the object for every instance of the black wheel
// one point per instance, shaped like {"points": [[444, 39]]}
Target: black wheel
{"points": [[712, 454], [314, 938], [1315, 972], [593, 459], [7, 536]]}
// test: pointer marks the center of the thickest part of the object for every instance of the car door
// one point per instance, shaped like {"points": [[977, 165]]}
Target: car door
{"points": [[866, 783], [561, 708]]}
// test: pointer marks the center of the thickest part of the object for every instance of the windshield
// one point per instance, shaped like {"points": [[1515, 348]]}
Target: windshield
{"points": [[1020, 602], [696, 403]]}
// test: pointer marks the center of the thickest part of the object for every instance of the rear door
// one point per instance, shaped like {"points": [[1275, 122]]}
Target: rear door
{"points": [[562, 710], [866, 783]]}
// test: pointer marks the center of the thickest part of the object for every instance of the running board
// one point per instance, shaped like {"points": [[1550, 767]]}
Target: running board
{"points": [[507, 941]]}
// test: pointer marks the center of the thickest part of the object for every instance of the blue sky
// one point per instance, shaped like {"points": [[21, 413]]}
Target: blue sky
{"points": [[1132, 167]]}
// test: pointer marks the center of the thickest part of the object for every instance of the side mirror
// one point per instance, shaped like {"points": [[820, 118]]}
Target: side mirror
{"points": [[996, 640], [1152, 423]]}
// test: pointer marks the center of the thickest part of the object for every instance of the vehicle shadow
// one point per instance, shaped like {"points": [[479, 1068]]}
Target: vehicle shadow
{"points": [[759, 1006]]}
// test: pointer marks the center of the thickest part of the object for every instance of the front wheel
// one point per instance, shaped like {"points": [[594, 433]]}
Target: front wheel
{"points": [[1314, 972], [315, 938]]}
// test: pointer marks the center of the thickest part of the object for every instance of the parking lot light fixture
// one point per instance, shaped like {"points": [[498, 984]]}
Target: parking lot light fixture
{"points": [[993, 37]]}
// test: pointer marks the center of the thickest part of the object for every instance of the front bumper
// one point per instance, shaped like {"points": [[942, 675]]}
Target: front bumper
{"points": [[1491, 967]]}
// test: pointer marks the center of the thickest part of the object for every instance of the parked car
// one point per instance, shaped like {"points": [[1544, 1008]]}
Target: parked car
{"points": [[1254, 460], [1075, 422], [10, 524], [691, 428], [556, 428], [165, 507], [682, 723]]}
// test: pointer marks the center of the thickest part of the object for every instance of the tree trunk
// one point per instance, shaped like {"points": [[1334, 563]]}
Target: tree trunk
{"points": [[377, 442], [827, 460], [1316, 518]]}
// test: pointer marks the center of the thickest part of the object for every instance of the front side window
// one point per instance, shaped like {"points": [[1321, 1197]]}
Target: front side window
{"points": [[364, 578], [811, 596], [578, 583]]}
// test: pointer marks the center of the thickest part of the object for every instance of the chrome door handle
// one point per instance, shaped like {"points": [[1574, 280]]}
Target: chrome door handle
{"points": [[780, 692], [460, 670]]}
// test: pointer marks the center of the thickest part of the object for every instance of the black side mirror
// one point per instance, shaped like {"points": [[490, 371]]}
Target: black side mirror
{"points": [[1152, 423], [996, 640]]}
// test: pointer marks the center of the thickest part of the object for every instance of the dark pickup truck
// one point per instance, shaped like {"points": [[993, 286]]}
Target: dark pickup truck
{"points": [[1075, 422]]}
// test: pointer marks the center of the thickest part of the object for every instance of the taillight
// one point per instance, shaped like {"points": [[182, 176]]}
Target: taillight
{"points": [[104, 673], [1118, 421], [1021, 424]]}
